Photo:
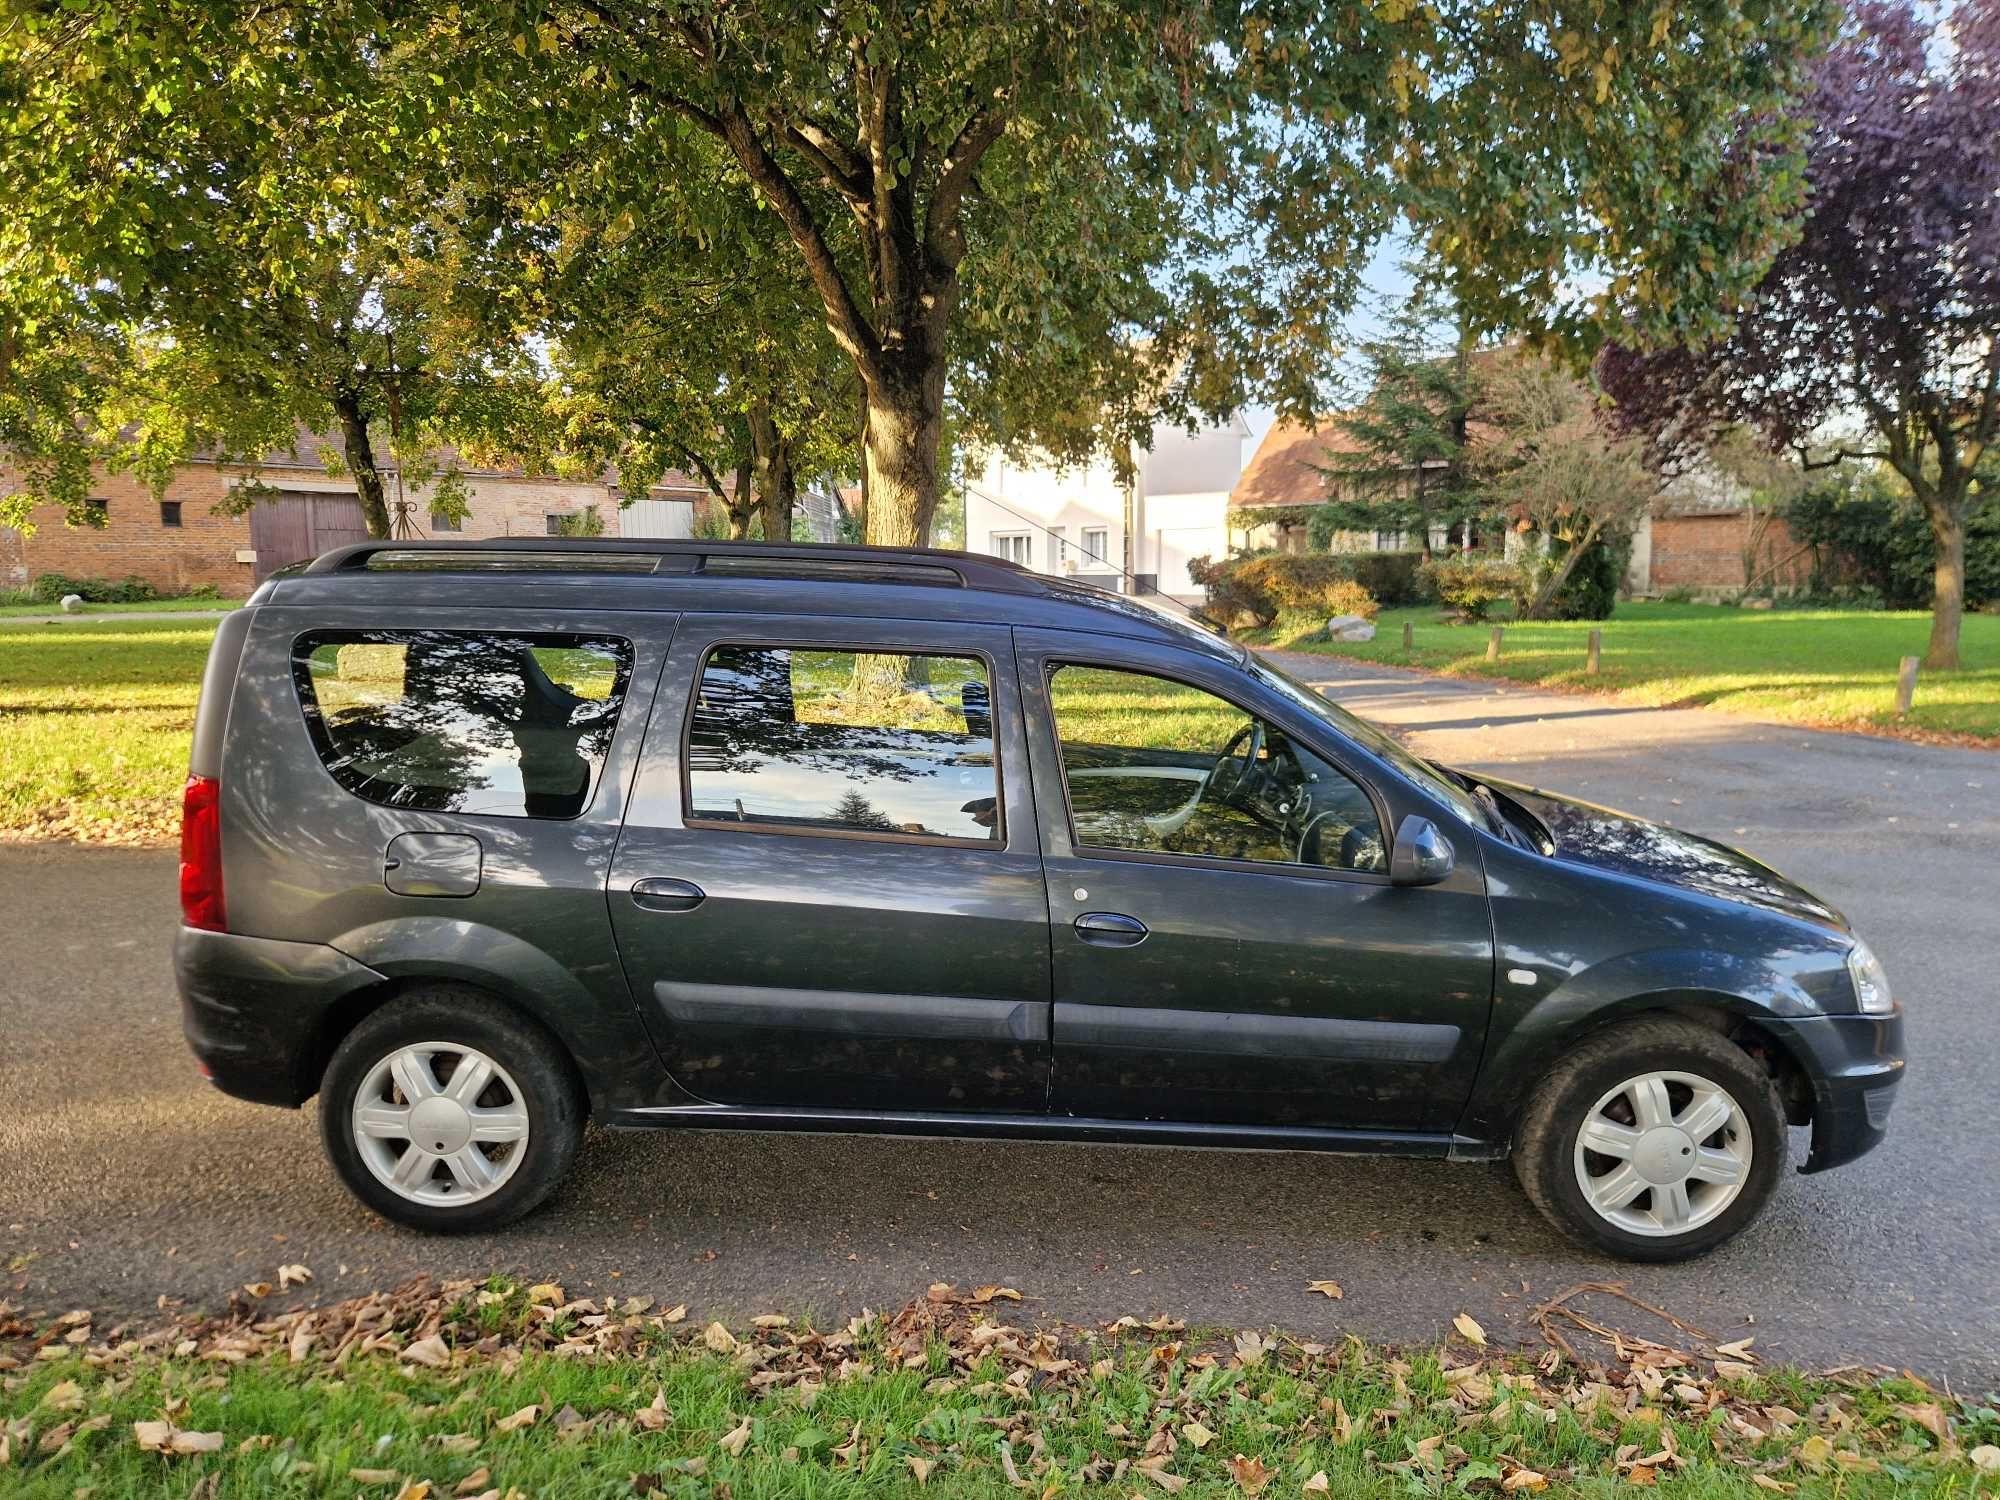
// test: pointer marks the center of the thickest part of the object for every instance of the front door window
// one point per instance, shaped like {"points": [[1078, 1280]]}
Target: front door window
{"points": [[1159, 767]]}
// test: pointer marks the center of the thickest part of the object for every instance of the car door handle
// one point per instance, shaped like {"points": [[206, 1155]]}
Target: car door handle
{"points": [[667, 895], [1110, 929]]}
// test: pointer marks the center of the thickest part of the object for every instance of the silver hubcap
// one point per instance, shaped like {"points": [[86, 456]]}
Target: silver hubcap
{"points": [[440, 1123], [1663, 1153]]}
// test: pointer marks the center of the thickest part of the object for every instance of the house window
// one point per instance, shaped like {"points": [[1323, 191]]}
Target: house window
{"points": [[1013, 546], [554, 523], [170, 512], [1096, 543], [442, 522]]}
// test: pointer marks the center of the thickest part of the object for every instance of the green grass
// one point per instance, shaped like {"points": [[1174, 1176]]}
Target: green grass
{"points": [[898, 1411], [95, 720], [145, 606], [1827, 667]]}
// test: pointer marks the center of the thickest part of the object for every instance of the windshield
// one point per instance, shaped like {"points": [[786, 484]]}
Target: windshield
{"points": [[1372, 737]]}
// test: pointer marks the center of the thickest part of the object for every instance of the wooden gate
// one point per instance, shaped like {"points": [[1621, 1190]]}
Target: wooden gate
{"points": [[298, 525]]}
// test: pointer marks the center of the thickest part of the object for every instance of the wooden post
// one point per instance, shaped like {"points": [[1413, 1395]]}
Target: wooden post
{"points": [[1906, 684], [1596, 646], [1493, 645], [1409, 637]]}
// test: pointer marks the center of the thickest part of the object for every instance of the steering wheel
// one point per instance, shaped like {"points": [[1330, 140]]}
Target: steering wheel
{"points": [[1230, 795]]}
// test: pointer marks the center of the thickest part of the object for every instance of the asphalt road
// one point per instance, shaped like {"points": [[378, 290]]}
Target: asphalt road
{"points": [[123, 1176]]}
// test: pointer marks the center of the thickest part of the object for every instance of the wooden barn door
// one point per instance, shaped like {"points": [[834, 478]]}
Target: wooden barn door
{"points": [[298, 525]]}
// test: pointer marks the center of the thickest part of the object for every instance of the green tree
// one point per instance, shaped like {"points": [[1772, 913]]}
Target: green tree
{"points": [[1403, 460]]}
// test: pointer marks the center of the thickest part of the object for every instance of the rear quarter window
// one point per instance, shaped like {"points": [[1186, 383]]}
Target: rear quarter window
{"points": [[463, 721]]}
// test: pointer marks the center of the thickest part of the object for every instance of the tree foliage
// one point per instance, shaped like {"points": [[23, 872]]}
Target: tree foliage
{"points": [[1888, 304]]}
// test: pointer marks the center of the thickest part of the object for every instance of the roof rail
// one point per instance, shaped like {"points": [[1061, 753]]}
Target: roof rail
{"points": [[916, 565]]}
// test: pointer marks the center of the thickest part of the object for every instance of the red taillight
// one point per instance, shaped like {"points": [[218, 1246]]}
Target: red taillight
{"points": [[201, 854]]}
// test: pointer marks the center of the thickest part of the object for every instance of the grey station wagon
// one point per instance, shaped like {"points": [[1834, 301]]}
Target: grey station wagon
{"points": [[486, 840]]}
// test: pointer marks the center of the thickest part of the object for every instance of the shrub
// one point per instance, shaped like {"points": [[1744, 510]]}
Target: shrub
{"points": [[1391, 577], [1258, 587], [1591, 590], [1470, 586], [1882, 540], [201, 591], [49, 588]]}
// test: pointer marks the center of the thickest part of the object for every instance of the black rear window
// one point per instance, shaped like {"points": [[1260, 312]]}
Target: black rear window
{"points": [[463, 721]]}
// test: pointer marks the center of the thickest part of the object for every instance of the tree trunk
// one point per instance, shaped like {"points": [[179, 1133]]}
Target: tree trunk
{"points": [[361, 463], [1947, 518], [1552, 585], [900, 457], [738, 505], [777, 484]]}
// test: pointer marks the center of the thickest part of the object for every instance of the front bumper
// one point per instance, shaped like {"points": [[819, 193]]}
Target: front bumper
{"points": [[255, 1009], [1855, 1064]]}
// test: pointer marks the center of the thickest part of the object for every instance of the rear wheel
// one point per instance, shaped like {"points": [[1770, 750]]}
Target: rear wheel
{"points": [[444, 1111], [1655, 1141]]}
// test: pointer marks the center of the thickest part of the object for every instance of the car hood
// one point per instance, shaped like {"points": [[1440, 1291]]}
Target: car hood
{"points": [[1627, 845]]}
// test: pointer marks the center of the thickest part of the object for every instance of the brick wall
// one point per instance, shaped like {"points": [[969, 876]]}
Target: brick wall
{"points": [[204, 547], [135, 542], [1706, 552]]}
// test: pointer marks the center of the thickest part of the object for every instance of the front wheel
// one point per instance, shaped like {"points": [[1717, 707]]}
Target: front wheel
{"points": [[1655, 1141], [444, 1111]]}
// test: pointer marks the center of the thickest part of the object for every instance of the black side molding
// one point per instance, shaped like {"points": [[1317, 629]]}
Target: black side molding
{"points": [[847, 1013], [1218, 1033]]}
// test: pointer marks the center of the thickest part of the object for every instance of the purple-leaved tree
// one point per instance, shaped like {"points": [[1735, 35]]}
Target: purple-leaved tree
{"points": [[1884, 315]]}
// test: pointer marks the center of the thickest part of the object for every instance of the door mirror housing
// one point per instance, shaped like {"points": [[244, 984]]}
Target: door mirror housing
{"points": [[1422, 856]]}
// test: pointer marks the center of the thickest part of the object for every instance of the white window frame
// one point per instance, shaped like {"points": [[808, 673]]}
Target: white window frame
{"points": [[1099, 551], [1003, 544]]}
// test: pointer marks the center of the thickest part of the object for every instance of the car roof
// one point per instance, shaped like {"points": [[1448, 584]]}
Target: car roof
{"points": [[640, 574]]}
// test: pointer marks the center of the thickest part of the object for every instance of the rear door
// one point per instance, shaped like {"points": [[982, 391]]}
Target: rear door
{"points": [[828, 893]]}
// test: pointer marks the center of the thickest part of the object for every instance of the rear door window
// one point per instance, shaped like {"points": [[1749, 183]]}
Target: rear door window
{"points": [[463, 721], [835, 741]]}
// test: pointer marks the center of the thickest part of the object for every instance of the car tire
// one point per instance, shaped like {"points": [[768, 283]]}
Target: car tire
{"points": [[1634, 1087], [410, 1147]]}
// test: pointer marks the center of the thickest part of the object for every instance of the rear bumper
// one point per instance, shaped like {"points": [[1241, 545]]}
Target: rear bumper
{"points": [[1856, 1065], [254, 1010]]}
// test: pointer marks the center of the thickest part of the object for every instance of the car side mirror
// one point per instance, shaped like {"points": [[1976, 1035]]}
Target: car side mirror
{"points": [[1422, 856]]}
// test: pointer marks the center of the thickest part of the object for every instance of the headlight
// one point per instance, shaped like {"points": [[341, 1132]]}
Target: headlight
{"points": [[1871, 981]]}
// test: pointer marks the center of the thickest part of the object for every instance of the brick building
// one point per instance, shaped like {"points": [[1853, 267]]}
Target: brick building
{"points": [[177, 541]]}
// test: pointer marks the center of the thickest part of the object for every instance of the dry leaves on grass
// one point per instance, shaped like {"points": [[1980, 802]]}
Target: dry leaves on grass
{"points": [[1250, 1474], [164, 1437]]}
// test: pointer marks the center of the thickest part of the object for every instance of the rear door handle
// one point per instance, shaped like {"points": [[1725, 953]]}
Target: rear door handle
{"points": [[667, 895], [1110, 929]]}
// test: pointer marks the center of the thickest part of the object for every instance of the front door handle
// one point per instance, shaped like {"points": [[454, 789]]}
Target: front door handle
{"points": [[667, 895], [1110, 929]]}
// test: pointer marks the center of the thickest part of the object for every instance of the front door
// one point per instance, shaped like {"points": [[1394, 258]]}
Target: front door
{"points": [[1227, 947], [829, 893]]}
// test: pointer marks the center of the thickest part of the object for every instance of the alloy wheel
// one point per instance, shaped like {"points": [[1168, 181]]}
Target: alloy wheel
{"points": [[1663, 1153], [440, 1123]]}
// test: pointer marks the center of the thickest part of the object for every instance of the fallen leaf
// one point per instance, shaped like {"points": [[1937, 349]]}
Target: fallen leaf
{"points": [[1317, 1485], [653, 1418], [294, 1275], [1734, 1369], [1815, 1451], [258, 1289], [1524, 1479], [986, 1294], [547, 1292], [525, 1417], [164, 1437], [1198, 1435], [1326, 1289], [373, 1476], [771, 1320], [921, 1467], [1469, 1330], [64, 1395], [1250, 1474], [1766, 1482], [474, 1482], [674, 1314], [1930, 1417], [1173, 1484], [433, 1352], [416, 1489], [733, 1442], [1251, 1347], [719, 1339], [1985, 1458], [302, 1342], [1738, 1350]]}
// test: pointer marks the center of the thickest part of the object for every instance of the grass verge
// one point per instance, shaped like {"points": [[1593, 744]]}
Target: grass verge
{"points": [[95, 722], [1834, 668], [196, 604], [498, 1390]]}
